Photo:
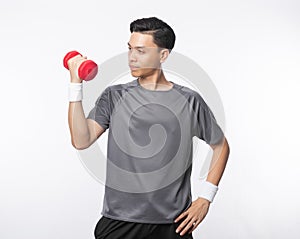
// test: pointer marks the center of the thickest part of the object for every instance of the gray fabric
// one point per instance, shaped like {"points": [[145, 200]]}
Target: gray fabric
{"points": [[150, 131]]}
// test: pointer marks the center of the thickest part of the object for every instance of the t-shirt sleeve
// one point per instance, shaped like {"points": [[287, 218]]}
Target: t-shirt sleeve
{"points": [[205, 124], [101, 111]]}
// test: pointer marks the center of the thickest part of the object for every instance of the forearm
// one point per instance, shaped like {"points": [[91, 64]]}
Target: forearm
{"points": [[79, 130], [218, 163]]}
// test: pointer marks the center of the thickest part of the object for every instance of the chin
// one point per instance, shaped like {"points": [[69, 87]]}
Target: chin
{"points": [[135, 74]]}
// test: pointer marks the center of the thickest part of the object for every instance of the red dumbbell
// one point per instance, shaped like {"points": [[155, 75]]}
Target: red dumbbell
{"points": [[87, 69]]}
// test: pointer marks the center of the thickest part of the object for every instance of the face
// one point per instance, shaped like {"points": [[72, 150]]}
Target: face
{"points": [[144, 57]]}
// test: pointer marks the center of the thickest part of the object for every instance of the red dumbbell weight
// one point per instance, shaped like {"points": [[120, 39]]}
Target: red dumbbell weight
{"points": [[87, 69]]}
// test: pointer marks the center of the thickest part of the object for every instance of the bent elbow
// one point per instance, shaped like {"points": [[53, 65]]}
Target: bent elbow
{"points": [[80, 147]]}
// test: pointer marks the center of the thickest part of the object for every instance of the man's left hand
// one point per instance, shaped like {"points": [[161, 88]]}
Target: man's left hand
{"points": [[194, 216]]}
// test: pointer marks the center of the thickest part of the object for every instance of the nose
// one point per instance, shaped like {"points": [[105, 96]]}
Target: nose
{"points": [[131, 56]]}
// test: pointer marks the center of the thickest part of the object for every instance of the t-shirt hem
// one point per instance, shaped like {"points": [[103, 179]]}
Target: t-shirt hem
{"points": [[138, 221]]}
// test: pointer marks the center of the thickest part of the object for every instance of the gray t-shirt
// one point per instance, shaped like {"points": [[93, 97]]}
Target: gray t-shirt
{"points": [[149, 151]]}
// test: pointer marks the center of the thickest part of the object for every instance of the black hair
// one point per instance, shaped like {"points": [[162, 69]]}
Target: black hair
{"points": [[163, 34]]}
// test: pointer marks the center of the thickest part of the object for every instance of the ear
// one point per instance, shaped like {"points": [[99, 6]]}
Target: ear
{"points": [[164, 53]]}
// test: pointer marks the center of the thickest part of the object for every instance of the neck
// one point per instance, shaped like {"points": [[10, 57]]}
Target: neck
{"points": [[156, 81]]}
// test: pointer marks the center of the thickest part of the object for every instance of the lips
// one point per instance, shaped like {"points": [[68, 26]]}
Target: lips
{"points": [[133, 67]]}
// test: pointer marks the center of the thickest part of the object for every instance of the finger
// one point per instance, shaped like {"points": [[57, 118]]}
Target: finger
{"points": [[181, 216], [182, 225], [73, 60], [76, 62], [179, 228], [192, 228], [187, 228], [195, 225]]}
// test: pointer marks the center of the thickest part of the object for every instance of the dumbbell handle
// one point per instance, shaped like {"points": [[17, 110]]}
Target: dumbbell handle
{"points": [[87, 69]]}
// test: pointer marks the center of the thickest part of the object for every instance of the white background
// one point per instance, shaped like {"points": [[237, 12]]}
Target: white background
{"points": [[251, 51]]}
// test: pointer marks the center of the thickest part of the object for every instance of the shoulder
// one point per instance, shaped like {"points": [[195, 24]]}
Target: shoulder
{"points": [[119, 87], [194, 97]]}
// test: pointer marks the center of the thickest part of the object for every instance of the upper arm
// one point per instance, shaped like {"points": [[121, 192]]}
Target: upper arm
{"points": [[98, 119], [204, 123], [95, 130], [223, 142]]}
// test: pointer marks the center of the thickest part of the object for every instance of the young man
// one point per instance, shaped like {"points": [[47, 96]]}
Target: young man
{"points": [[152, 121]]}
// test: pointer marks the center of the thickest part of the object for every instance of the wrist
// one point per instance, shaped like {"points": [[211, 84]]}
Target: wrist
{"points": [[75, 80], [75, 91], [207, 191], [203, 200]]}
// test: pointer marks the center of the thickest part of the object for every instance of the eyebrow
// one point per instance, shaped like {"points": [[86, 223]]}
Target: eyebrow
{"points": [[136, 46]]}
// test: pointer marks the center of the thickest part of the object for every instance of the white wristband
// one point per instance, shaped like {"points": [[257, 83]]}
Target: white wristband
{"points": [[75, 92], [208, 190]]}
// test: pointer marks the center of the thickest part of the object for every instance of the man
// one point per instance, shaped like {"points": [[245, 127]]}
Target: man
{"points": [[152, 121]]}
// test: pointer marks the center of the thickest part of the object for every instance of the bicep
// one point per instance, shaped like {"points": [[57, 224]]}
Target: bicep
{"points": [[95, 130], [223, 142]]}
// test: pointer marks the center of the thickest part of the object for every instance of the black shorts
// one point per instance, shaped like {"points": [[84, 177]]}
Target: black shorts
{"points": [[108, 228]]}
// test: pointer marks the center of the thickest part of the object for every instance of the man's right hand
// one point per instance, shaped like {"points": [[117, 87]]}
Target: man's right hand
{"points": [[73, 64]]}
